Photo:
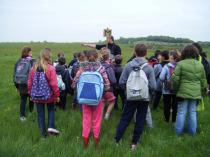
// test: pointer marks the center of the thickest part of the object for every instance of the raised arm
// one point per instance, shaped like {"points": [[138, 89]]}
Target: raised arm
{"points": [[89, 45]]}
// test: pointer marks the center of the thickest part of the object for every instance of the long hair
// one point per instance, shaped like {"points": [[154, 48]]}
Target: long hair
{"points": [[44, 59]]}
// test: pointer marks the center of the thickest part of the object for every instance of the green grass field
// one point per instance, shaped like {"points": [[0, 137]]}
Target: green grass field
{"points": [[19, 139]]}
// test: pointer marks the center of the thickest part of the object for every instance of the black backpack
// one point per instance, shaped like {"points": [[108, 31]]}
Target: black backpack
{"points": [[206, 68]]}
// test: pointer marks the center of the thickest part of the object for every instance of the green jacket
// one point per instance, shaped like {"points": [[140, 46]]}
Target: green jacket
{"points": [[189, 79]]}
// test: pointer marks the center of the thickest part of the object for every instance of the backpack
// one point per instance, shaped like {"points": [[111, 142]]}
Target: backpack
{"points": [[168, 82], [40, 90], [61, 84], [137, 84], [22, 70], [90, 88]]}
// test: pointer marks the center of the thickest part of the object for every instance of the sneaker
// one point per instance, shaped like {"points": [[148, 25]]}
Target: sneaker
{"points": [[53, 131], [22, 119], [133, 147], [106, 117]]}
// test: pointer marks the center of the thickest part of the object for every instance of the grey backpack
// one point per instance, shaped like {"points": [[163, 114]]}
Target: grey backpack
{"points": [[137, 84], [22, 70]]}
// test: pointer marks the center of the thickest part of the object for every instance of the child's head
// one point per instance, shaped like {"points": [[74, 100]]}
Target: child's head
{"points": [[174, 56], [118, 59], [198, 46], [92, 55], [26, 52], [62, 60], [75, 55], [157, 54], [105, 53], [44, 58], [190, 51], [60, 54], [164, 55], [140, 50], [81, 57]]}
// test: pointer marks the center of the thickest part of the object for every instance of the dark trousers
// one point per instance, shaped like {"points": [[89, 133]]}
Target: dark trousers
{"points": [[119, 92], [156, 99], [41, 117], [23, 101], [126, 117], [170, 102], [62, 103]]}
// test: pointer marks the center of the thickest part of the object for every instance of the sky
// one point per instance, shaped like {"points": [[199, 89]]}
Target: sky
{"points": [[84, 20]]}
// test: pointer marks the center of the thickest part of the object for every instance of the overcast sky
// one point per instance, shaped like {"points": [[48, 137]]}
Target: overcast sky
{"points": [[84, 20]]}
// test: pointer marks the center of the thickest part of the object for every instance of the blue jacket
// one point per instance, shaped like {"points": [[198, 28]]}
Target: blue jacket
{"points": [[165, 77]]}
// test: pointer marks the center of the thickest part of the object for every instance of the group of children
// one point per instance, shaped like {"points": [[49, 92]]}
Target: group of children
{"points": [[179, 77]]}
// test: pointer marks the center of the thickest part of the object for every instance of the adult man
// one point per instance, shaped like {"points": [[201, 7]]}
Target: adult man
{"points": [[114, 49]]}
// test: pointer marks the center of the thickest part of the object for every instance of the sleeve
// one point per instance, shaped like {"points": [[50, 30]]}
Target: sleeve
{"points": [[111, 75], [98, 47], [157, 70], [30, 80], [163, 74], [203, 81], [15, 67], [124, 77], [76, 78], [176, 77], [53, 82], [105, 78], [151, 79]]}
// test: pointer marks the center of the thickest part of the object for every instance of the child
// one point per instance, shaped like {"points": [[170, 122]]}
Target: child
{"points": [[169, 97], [60, 54], [189, 81], [62, 71], [117, 90], [81, 59], [108, 95], [140, 105], [164, 59], [92, 115], [44, 66], [20, 78], [74, 60]]}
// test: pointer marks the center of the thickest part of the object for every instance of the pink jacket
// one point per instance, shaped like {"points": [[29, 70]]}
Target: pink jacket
{"points": [[52, 80]]}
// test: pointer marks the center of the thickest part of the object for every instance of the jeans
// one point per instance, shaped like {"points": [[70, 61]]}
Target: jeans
{"points": [[186, 106], [126, 117], [23, 101], [41, 117]]}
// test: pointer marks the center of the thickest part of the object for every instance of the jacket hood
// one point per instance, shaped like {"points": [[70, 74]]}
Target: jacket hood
{"points": [[59, 69], [138, 61]]}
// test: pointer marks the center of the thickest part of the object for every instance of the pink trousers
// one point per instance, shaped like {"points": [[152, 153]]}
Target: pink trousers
{"points": [[91, 118]]}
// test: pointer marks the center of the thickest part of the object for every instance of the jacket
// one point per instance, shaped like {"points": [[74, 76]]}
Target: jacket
{"points": [[189, 79], [138, 61], [61, 70], [53, 84], [165, 77]]}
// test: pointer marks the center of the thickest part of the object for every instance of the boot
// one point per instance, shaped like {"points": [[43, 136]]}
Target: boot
{"points": [[96, 141], [86, 140]]}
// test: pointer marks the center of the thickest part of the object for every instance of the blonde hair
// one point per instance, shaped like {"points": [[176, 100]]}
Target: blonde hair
{"points": [[44, 59]]}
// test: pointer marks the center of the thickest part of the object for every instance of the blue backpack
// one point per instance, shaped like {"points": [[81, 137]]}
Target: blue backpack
{"points": [[40, 90], [90, 88]]}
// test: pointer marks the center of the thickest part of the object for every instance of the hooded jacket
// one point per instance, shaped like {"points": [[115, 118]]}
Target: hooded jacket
{"points": [[138, 61]]}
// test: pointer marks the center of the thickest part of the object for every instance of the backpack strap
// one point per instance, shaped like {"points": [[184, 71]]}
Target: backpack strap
{"points": [[99, 68], [143, 65]]}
